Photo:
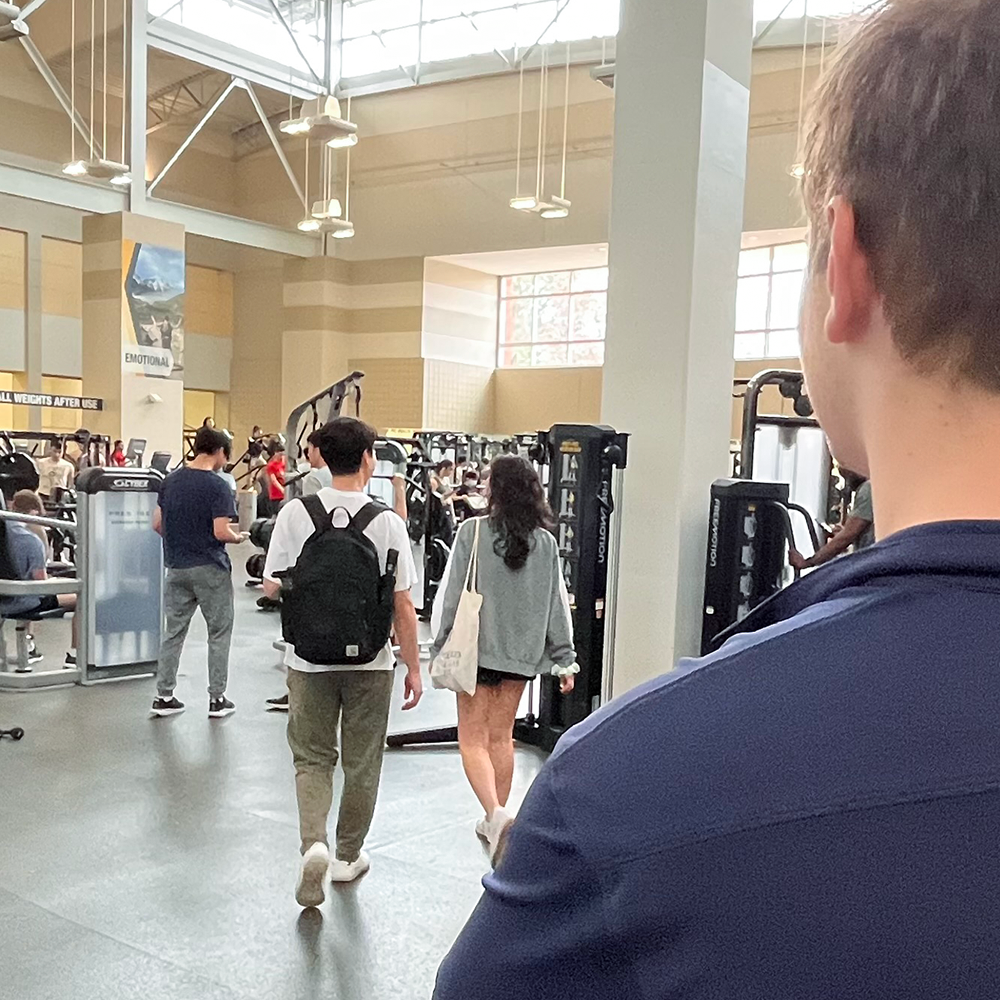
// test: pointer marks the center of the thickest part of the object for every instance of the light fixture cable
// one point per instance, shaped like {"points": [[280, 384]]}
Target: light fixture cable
{"points": [[520, 126], [562, 188]]}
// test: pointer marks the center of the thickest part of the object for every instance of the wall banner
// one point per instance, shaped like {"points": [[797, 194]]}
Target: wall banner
{"points": [[153, 330]]}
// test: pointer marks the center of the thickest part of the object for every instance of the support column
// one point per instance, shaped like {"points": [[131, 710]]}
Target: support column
{"points": [[681, 118], [133, 328], [33, 324]]}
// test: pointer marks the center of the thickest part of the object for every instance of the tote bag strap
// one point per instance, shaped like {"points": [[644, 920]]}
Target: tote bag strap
{"points": [[472, 573]]}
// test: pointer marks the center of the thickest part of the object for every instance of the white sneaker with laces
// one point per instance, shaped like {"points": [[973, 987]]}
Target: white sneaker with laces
{"points": [[495, 827], [312, 874], [348, 871]]}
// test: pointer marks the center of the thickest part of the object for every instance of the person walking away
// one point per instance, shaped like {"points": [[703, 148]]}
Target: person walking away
{"points": [[54, 473], [353, 583], [811, 811], [858, 530], [524, 628], [194, 517], [274, 477]]}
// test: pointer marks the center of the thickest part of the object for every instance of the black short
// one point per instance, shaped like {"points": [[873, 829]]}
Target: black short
{"points": [[47, 603], [494, 678]]}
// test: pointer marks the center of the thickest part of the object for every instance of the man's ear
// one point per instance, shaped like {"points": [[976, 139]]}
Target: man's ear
{"points": [[852, 291]]}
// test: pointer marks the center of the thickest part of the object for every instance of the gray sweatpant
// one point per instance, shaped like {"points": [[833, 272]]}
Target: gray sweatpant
{"points": [[211, 589]]}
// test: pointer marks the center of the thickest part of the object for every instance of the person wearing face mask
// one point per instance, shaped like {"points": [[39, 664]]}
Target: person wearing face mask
{"points": [[194, 517]]}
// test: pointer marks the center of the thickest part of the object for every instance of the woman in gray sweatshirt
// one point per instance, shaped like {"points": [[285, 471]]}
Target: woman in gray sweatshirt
{"points": [[524, 627]]}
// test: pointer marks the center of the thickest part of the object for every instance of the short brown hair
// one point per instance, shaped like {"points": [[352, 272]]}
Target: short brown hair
{"points": [[27, 502], [906, 127]]}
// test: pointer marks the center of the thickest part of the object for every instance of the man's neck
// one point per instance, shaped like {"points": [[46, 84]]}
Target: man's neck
{"points": [[933, 457], [355, 483], [204, 462]]}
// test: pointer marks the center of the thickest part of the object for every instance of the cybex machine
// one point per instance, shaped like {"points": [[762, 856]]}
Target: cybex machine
{"points": [[584, 465]]}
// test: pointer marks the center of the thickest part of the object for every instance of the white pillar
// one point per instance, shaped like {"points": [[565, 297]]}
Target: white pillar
{"points": [[33, 323], [681, 118], [137, 106]]}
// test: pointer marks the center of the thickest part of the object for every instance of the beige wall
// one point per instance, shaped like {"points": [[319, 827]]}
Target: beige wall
{"points": [[531, 399]]}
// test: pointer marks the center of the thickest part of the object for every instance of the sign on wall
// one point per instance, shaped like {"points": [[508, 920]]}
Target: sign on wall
{"points": [[153, 334], [50, 401]]}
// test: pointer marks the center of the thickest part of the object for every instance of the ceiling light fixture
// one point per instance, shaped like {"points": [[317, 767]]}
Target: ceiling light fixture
{"points": [[558, 209], [559, 205], [309, 225], [11, 25], [528, 204], [321, 119], [327, 209]]}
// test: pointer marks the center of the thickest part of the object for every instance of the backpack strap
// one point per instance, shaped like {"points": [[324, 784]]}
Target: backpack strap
{"points": [[320, 516], [367, 514]]}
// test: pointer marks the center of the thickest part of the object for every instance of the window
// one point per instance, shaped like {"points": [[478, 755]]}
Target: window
{"points": [[768, 294], [554, 318], [768, 10]]}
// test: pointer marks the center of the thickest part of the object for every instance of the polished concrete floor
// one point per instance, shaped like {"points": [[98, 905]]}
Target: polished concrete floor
{"points": [[156, 859]]}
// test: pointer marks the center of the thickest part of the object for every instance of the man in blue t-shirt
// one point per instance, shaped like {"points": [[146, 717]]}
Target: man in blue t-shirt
{"points": [[194, 517], [812, 811]]}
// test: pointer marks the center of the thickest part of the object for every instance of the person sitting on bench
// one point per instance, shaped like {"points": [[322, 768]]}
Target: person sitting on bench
{"points": [[26, 555]]}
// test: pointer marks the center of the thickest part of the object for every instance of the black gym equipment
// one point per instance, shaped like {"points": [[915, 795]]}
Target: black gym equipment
{"points": [[751, 521], [584, 464]]}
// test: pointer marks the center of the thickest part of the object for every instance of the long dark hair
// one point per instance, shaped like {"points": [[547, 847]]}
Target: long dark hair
{"points": [[517, 507]]}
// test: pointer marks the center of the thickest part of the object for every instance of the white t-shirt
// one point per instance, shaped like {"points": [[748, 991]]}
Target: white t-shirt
{"points": [[387, 531], [53, 473], [316, 480]]}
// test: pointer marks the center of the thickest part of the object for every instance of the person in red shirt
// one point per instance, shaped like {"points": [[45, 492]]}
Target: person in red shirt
{"points": [[274, 475], [118, 455]]}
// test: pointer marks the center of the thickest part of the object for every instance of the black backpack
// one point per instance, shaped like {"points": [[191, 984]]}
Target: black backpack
{"points": [[336, 603]]}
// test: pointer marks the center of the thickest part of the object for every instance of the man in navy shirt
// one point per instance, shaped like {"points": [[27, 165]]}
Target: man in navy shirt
{"points": [[813, 811], [194, 513]]}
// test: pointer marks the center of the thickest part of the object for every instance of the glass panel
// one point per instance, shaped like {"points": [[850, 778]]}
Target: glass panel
{"points": [[500, 27], [583, 19], [749, 346], [586, 354], [379, 15], [552, 283], [549, 354], [518, 284], [755, 261], [515, 357], [533, 19], [791, 257], [594, 279], [370, 55], [436, 9], [590, 316], [515, 321], [786, 295], [783, 344], [453, 39], [751, 303], [552, 319]]}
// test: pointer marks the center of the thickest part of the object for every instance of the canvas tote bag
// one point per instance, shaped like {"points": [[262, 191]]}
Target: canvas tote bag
{"points": [[455, 667]]}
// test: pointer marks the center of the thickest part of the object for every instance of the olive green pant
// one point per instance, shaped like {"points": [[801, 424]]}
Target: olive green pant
{"points": [[359, 701]]}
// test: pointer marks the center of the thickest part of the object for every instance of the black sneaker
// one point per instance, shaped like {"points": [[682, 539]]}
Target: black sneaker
{"points": [[278, 704], [167, 706], [33, 655], [70, 662], [219, 708]]}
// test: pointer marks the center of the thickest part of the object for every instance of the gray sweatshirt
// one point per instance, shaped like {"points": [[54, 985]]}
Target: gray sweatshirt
{"points": [[524, 625]]}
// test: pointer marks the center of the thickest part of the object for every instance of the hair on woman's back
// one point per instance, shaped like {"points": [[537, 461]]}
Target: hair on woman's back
{"points": [[516, 508]]}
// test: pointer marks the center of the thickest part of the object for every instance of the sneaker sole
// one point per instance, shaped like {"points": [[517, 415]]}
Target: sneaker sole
{"points": [[310, 891], [277, 708], [345, 879], [162, 713], [221, 714]]}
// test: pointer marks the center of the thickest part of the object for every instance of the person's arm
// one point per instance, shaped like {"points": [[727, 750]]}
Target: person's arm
{"points": [[854, 528], [223, 511], [223, 530], [404, 621], [158, 519], [458, 567], [399, 495], [559, 638], [281, 550], [540, 929]]}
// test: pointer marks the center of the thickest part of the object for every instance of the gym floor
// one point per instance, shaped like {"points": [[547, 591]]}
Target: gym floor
{"points": [[155, 859]]}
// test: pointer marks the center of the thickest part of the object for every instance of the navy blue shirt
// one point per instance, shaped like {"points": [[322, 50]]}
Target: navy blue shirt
{"points": [[813, 811], [191, 500]]}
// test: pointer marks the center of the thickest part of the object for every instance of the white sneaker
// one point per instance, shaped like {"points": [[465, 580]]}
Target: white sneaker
{"points": [[483, 828], [495, 827], [312, 874], [348, 871]]}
